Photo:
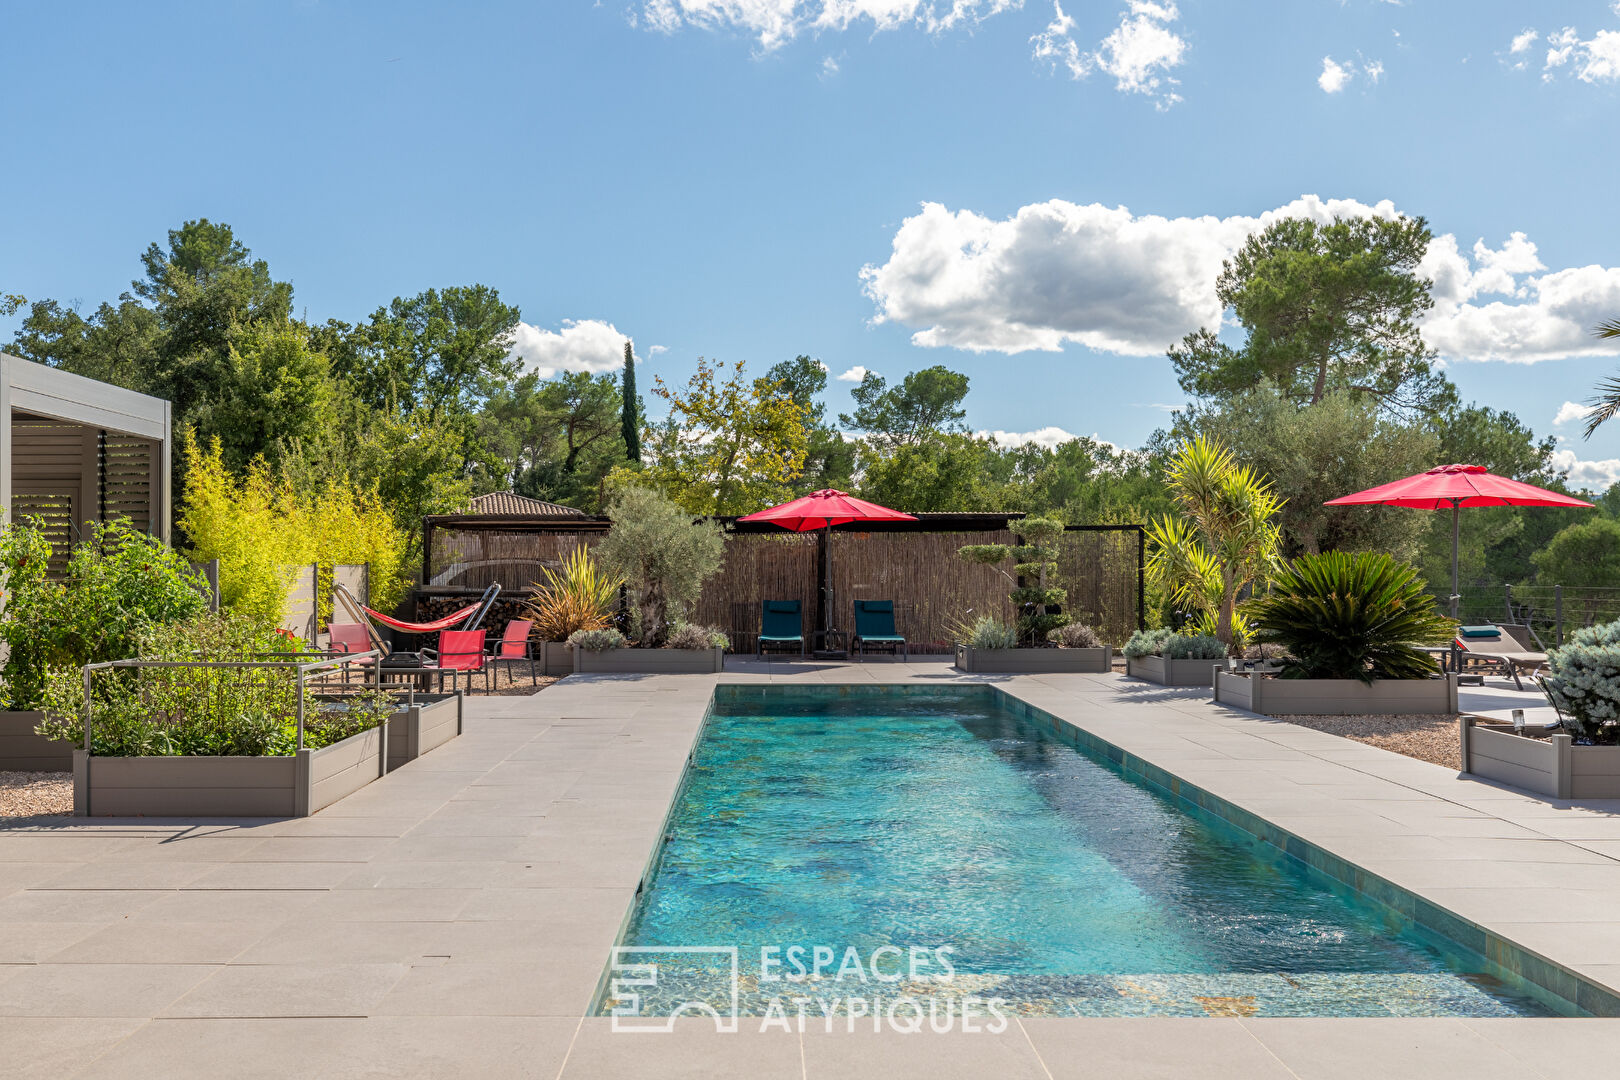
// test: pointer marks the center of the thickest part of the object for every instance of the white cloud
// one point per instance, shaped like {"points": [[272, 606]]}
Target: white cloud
{"points": [[1058, 272], [1139, 52], [1049, 437], [1596, 476], [854, 374], [1570, 411], [1595, 59], [829, 66], [775, 22], [582, 345], [656, 349], [1374, 70], [1334, 75]]}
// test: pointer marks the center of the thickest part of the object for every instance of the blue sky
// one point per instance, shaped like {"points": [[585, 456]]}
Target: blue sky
{"points": [[1037, 198]]}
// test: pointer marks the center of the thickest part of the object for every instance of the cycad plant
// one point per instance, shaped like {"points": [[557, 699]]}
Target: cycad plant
{"points": [[1350, 616], [581, 597], [1225, 539]]}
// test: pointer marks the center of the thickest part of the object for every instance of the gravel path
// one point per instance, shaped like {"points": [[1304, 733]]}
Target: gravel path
{"points": [[27, 794], [1431, 738]]}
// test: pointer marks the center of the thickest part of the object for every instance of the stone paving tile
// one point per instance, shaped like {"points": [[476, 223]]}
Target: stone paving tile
{"points": [[896, 1055], [131, 942], [125, 990], [1353, 1049], [31, 942], [288, 990], [561, 984], [693, 1051], [1157, 1048], [74, 905], [51, 1048], [387, 905], [304, 941], [128, 875]]}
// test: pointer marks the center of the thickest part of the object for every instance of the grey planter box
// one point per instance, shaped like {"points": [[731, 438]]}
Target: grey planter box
{"points": [[293, 786], [422, 726], [1336, 697], [1156, 669], [1034, 661], [649, 661], [22, 750], [552, 658], [1554, 766]]}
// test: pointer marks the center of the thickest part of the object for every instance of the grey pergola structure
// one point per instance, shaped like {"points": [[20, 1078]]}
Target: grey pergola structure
{"points": [[74, 450]]}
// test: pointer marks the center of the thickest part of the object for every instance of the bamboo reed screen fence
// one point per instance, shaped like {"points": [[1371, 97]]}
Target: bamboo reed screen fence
{"points": [[916, 566]]}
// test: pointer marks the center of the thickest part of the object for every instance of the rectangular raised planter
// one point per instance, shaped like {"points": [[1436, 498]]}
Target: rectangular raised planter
{"points": [[552, 658], [428, 722], [1553, 766], [649, 661], [22, 750], [1336, 697], [1034, 661], [293, 786], [1156, 669]]}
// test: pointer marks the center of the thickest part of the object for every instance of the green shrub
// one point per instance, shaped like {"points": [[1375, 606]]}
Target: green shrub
{"points": [[692, 636], [251, 711], [118, 584], [989, 632], [1146, 643], [1583, 680], [597, 640], [1075, 636], [1193, 647], [1350, 616]]}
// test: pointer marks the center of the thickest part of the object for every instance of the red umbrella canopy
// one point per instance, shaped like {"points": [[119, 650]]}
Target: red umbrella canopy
{"points": [[1447, 487], [820, 509]]}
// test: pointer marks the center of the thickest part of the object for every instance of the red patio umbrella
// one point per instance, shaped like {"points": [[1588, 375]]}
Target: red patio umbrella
{"points": [[1454, 487], [822, 510]]}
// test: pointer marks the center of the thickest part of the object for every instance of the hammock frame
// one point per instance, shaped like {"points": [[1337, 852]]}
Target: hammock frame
{"points": [[474, 615]]}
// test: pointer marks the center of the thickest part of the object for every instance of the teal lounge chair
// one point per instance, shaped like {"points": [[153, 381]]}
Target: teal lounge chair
{"points": [[780, 623], [874, 625]]}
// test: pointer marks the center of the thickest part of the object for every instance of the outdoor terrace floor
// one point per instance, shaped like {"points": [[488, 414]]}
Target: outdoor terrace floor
{"points": [[454, 918]]}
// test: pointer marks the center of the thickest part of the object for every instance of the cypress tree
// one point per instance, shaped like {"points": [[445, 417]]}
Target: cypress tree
{"points": [[631, 424]]}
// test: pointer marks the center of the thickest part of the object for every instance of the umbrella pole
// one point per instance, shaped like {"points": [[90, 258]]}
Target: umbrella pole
{"points": [[826, 583], [1456, 525]]}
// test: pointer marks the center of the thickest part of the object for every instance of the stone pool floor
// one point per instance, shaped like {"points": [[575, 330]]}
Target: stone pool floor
{"points": [[455, 918]]}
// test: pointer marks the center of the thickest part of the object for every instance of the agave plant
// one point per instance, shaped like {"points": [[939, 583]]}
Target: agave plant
{"points": [[581, 597], [1350, 616]]}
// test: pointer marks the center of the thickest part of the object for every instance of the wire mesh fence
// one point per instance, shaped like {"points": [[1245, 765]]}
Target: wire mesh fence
{"points": [[1550, 611]]}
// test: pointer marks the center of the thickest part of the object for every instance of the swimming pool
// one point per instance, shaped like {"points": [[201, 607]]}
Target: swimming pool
{"points": [[874, 823]]}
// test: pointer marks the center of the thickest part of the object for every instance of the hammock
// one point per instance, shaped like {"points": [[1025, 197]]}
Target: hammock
{"points": [[469, 616]]}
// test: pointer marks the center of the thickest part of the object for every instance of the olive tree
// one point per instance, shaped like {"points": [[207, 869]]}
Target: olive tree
{"points": [[663, 554]]}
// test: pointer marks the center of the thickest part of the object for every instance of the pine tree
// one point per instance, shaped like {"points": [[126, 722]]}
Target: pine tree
{"points": [[632, 408]]}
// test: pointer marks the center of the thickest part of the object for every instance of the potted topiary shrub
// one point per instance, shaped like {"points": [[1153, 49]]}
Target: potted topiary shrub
{"points": [[664, 556], [1580, 761], [1037, 642], [1170, 659], [1351, 625]]}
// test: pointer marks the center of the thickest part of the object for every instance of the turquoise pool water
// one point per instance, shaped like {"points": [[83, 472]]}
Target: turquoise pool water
{"points": [[1057, 883]]}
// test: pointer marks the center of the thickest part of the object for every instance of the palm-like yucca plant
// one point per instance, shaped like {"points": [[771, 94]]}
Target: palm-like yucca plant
{"points": [[1607, 402], [581, 597], [1226, 538], [1350, 616]]}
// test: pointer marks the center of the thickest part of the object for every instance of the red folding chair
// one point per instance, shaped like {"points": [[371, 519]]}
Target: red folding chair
{"points": [[460, 652], [344, 639], [515, 647]]}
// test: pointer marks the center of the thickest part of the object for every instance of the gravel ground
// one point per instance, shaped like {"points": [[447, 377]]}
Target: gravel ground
{"points": [[28, 794], [1431, 738], [510, 680]]}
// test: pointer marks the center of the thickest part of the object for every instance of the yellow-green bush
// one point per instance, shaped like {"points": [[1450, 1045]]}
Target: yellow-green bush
{"points": [[262, 531]]}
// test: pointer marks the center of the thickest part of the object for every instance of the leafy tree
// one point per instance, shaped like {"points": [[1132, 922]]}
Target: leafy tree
{"points": [[663, 556], [939, 474], [1583, 556], [1325, 307], [1225, 540], [441, 351], [730, 445], [274, 389], [553, 440], [925, 404], [829, 458], [1344, 443], [630, 407]]}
